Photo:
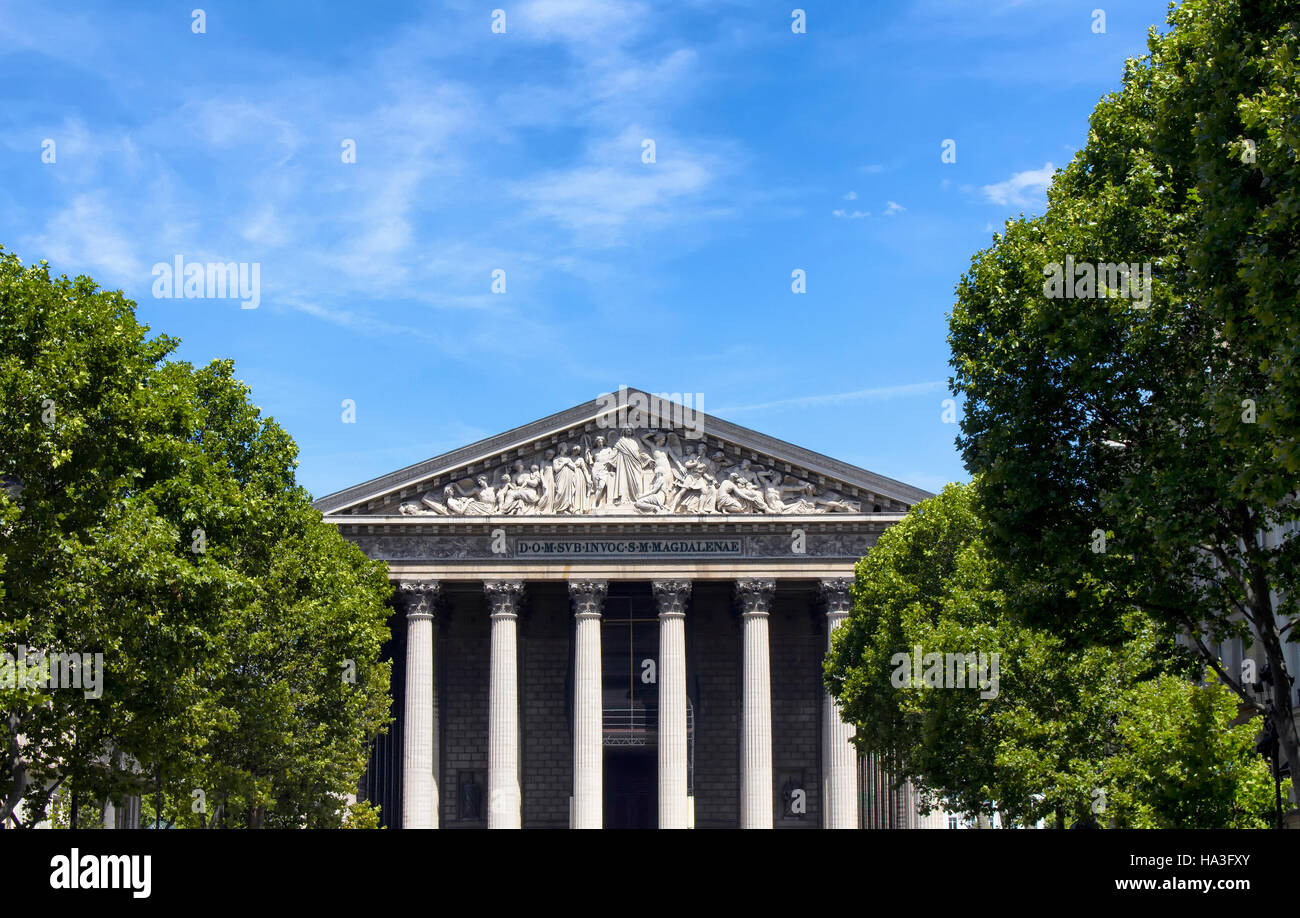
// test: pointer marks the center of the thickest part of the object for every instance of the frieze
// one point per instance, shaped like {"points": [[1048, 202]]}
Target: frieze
{"points": [[625, 548], [480, 547], [634, 471]]}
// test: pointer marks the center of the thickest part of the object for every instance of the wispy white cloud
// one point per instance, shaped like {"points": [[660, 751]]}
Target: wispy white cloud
{"points": [[220, 123], [876, 394], [88, 233], [893, 207], [612, 188], [582, 22], [449, 182], [266, 227], [1022, 188]]}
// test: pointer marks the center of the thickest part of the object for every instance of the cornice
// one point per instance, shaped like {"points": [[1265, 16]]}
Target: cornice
{"points": [[582, 418]]}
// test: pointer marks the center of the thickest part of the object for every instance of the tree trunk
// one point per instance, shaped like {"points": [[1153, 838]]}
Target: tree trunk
{"points": [[1269, 635], [16, 767], [1282, 711]]}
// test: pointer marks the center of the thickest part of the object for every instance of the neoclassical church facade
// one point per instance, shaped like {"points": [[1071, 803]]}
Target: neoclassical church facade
{"points": [[616, 617]]}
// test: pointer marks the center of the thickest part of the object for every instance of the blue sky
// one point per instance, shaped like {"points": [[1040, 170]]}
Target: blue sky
{"points": [[522, 152]]}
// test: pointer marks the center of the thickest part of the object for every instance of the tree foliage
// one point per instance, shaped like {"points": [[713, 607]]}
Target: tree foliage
{"points": [[151, 514], [1066, 729], [1181, 766], [1136, 452]]}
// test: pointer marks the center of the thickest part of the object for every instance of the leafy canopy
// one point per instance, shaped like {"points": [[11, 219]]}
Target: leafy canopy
{"points": [[151, 515], [1068, 729], [1139, 453]]}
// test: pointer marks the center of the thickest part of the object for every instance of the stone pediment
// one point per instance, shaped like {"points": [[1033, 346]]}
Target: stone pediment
{"points": [[629, 453]]}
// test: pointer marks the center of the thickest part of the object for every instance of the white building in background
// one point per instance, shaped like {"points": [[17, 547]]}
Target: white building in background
{"points": [[1246, 660], [616, 616]]}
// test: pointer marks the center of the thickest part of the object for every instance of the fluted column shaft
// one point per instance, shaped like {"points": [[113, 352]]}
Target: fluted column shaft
{"points": [[756, 711], [672, 596], [419, 781], [840, 757], [504, 798], [588, 712]]}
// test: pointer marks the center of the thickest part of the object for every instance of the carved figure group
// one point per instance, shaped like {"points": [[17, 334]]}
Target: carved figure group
{"points": [[649, 472]]}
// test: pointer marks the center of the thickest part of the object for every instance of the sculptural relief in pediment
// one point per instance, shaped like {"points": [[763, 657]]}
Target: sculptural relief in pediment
{"points": [[641, 471]]}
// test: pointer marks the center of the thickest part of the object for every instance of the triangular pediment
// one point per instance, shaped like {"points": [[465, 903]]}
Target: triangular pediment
{"points": [[626, 453]]}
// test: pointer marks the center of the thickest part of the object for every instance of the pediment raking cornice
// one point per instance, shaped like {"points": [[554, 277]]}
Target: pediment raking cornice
{"points": [[643, 474]]}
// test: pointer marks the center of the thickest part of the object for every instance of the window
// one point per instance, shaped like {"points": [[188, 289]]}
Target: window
{"points": [[629, 649]]}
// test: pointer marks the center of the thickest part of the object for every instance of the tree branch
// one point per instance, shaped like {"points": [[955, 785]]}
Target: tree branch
{"points": [[1194, 633]]}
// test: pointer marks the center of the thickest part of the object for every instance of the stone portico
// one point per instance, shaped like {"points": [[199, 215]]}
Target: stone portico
{"points": [[616, 617]]}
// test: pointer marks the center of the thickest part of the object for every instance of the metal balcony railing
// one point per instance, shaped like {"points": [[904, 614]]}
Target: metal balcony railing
{"points": [[634, 726], [639, 725]]}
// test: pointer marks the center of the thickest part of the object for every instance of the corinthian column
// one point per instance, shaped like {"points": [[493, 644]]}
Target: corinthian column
{"points": [[419, 776], [756, 710], [672, 596], [840, 758], [503, 706], [588, 718]]}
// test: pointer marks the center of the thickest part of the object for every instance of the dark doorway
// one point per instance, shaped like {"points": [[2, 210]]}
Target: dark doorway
{"points": [[631, 788]]}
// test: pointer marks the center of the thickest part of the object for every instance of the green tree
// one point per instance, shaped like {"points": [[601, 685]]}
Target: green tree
{"points": [[151, 514], [1184, 764], [299, 689], [1137, 449], [1058, 727], [83, 428]]}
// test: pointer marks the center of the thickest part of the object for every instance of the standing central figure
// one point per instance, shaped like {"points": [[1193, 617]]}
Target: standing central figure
{"points": [[629, 468]]}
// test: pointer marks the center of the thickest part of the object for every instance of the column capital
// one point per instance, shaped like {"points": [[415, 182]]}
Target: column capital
{"points": [[588, 597], [672, 596], [418, 597], [503, 596], [837, 596], [755, 596]]}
